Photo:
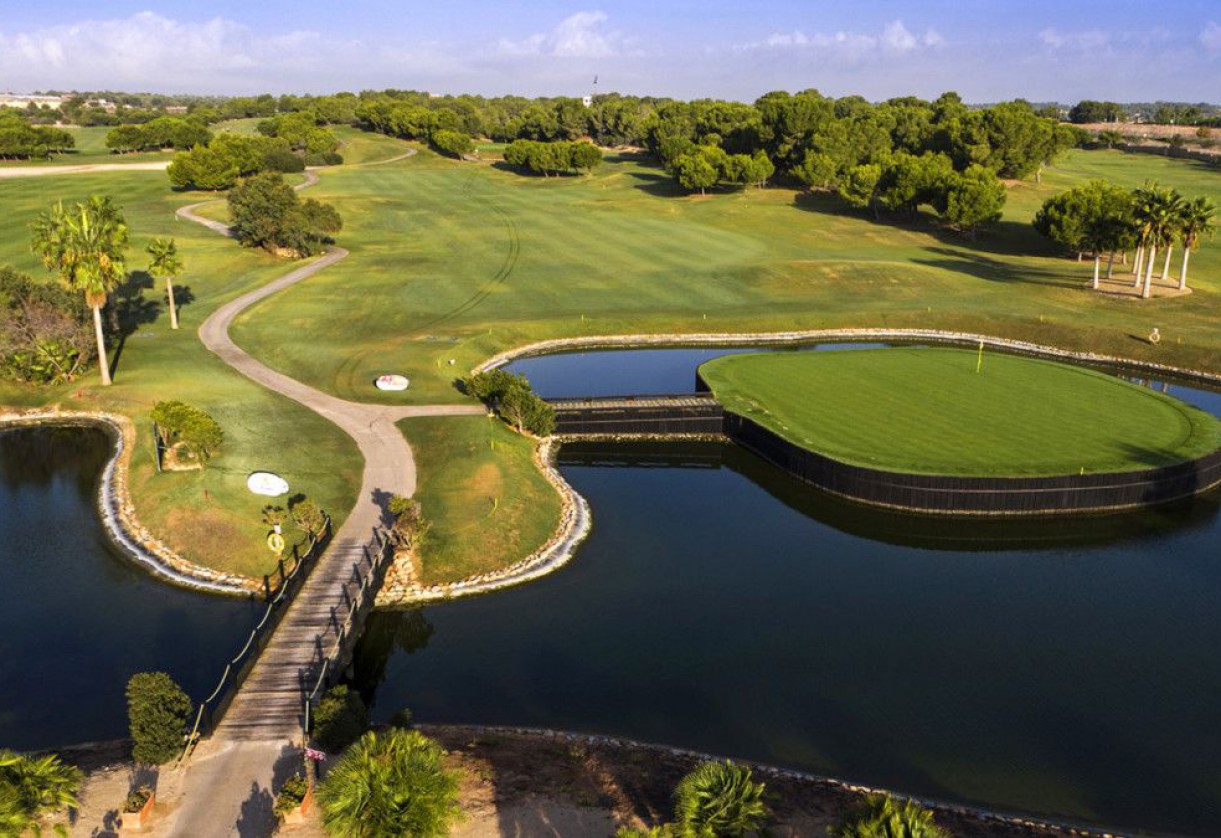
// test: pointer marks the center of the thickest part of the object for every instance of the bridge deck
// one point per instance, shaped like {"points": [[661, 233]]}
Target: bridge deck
{"points": [[269, 705]]}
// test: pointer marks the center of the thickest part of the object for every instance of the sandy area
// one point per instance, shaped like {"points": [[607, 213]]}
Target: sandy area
{"points": [[35, 171]]}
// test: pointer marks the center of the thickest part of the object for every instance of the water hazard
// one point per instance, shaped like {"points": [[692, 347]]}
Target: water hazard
{"points": [[1065, 668], [77, 619]]}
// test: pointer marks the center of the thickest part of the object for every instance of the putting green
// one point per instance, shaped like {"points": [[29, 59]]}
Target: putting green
{"points": [[926, 410]]}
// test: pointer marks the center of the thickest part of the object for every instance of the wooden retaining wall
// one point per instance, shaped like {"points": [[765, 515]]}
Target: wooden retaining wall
{"points": [[690, 414]]}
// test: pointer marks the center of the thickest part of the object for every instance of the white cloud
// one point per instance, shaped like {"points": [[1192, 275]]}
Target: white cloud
{"points": [[895, 38], [580, 35], [1089, 39], [1210, 36]]}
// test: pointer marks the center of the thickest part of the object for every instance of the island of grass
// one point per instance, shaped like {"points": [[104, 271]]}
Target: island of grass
{"points": [[921, 428]]}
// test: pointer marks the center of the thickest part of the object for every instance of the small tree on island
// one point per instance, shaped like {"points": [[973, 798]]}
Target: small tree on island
{"points": [[180, 424], [511, 397], [158, 712]]}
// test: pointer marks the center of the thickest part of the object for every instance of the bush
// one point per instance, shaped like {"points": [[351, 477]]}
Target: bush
{"points": [[45, 333], [552, 157], [137, 799], [340, 719], [884, 817], [390, 784], [158, 712], [719, 800], [291, 795], [325, 158], [32, 787]]}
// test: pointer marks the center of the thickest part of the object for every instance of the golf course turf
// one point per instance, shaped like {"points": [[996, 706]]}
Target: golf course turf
{"points": [[926, 410]]}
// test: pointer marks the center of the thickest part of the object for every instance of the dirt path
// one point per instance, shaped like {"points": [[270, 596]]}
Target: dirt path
{"points": [[83, 168], [228, 787]]}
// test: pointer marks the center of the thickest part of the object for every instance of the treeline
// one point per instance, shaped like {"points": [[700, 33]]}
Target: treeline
{"points": [[20, 140], [160, 133], [1161, 113], [228, 157], [552, 158], [1100, 218]]}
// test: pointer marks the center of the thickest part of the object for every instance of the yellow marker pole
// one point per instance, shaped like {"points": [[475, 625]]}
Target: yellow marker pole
{"points": [[979, 363]]}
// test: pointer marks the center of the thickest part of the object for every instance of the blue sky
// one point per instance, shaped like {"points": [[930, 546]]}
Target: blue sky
{"points": [[986, 49]]}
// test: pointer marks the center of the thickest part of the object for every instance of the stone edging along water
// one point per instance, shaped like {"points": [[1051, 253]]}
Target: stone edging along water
{"points": [[575, 519], [118, 514], [574, 526], [772, 771], [836, 335]]}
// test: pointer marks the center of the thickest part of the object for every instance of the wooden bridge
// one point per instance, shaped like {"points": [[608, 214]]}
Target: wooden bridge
{"points": [[313, 619], [688, 414]]}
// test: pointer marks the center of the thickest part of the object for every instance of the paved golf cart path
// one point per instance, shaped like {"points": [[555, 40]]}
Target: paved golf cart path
{"points": [[227, 788], [84, 168]]}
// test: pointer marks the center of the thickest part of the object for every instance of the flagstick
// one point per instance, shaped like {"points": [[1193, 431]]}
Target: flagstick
{"points": [[980, 361]]}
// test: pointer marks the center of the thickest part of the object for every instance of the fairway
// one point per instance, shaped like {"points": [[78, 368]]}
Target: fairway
{"points": [[926, 410], [458, 261]]}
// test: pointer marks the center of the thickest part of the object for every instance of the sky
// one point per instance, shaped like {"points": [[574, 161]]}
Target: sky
{"points": [[987, 50]]}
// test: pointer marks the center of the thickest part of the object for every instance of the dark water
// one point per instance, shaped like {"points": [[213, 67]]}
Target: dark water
{"points": [[76, 619], [1067, 668]]}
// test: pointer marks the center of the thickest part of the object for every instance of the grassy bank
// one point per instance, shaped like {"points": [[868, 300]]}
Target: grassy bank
{"points": [[486, 503], [455, 261], [208, 516], [927, 410]]}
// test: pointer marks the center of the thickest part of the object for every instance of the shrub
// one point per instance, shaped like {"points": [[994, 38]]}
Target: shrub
{"points": [[137, 799], [45, 334], [390, 784], [291, 795], [719, 800], [308, 516], [340, 719], [158, 712], [31, 787], [324, 158], [885, 817], [268, 213]]}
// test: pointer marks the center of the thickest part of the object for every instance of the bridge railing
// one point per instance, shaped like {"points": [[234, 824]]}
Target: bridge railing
{"points": [[368, 573], [289, 581]]}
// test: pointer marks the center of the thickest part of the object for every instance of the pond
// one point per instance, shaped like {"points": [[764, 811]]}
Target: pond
{"points": [[77, 619], [1063, 668]]}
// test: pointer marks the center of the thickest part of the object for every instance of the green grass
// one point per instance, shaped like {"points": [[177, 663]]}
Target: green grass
{"points": [[926, 410], [456, 261], [209, 516], [486, 503]]}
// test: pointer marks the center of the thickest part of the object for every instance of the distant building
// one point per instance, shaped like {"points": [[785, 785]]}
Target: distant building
{"points": [[20, 100], [587, 101]]}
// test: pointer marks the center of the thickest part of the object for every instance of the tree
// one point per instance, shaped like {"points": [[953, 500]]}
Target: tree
{"points": [[389, 785], [585, 156], [188, 426], [719, 800], [511, 397], [85, 247], [308, 517], [695, 171], [1156, 212], [158, 712], [268, 213], [971, 199], [1196, 224], [817, 171], [165, 263], [860, 186], [453, 143], [885, 817], [33, 787]]}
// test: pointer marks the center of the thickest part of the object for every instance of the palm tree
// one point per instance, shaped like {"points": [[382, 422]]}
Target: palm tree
{"points": [[388, 785], [719, 800], [1156, 213], [1175, 207], [1144, 200], [1197, 223], [165, 262], [31, 787], [885, 817], [85, 246]]}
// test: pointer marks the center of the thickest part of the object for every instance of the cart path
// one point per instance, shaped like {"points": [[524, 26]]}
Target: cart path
{"points": [[227, 788], [83, 168]]}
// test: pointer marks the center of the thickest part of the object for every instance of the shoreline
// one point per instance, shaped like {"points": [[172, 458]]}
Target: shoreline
{"points": [[118, 514]]}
